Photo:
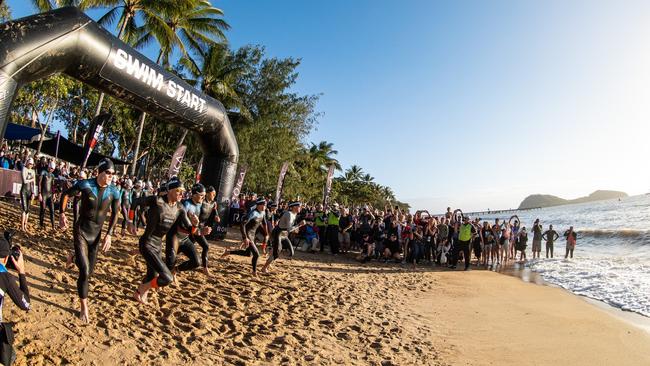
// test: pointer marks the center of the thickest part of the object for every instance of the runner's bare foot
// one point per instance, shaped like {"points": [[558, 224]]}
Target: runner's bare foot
{"points": [[83, 312], [142, 299]]}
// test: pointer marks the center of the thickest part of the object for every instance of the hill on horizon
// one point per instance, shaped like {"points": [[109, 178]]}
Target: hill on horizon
{"points": [[547, 200]]}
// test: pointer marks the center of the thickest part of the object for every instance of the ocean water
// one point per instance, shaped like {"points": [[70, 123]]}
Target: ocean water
{"points": [[611, 262]]}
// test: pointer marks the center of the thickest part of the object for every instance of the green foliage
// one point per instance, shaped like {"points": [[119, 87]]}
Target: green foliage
{"points": [[271, 121], [191, 26], [39, 97], [5, 13], [356, 188]]}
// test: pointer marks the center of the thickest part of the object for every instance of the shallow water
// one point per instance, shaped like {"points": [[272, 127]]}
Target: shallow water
{"points": [[612, 257]]}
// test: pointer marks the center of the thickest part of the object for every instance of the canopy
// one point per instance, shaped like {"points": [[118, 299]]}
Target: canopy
{"points": [[21, 133], [71, 152]]}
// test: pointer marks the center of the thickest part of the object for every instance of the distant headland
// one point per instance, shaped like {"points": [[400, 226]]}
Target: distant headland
{"points": [[546, 200]]}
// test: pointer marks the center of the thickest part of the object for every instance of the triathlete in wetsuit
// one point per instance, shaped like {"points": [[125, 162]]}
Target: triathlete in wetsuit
{"points": [[97, 197], [163, 212], [45, 180], [127, 186], [280, 235], [254, 220], [28, 177], [272, 218], [207, 218], [136, 193], [178, 238]]}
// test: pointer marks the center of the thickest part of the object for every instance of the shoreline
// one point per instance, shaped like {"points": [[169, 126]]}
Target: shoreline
{"points": [[529, 276], [313, 309], [488, 318]]}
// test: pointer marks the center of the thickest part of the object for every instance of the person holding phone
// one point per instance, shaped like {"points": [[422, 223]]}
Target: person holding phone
{"points": [[19, 294]]}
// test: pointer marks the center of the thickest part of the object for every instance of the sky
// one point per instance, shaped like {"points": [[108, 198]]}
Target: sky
{"points": [[470, 104]]}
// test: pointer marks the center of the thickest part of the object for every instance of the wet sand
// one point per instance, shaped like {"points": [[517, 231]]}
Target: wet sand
{"points": [[312, 310]]}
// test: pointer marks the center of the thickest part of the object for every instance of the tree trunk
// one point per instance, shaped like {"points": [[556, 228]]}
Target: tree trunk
{"points": [[44, 128], [180, 142], [34, 118], [151, 144], [100, 101], [143, 116]]}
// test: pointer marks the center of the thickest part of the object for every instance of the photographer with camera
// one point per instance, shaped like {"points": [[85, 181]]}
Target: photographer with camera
{"points": [[11, 257]]}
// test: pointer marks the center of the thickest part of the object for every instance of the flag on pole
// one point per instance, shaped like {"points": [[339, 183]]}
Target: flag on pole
{"points": [[199, 168], [177, 160], [96, 127], [91, 144], [283, 173], [240, 183], [328, 185]]}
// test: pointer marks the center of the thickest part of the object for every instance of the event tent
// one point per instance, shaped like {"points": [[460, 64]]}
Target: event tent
{"points": [[71, 152]]}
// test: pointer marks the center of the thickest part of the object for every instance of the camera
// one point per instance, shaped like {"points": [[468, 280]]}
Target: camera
{"points": [[15, 249]]}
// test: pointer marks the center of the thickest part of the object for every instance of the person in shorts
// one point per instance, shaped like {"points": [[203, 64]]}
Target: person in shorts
{"points": [[550, 236], [571, 237]]}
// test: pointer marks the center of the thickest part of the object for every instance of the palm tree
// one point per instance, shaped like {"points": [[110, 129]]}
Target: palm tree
{"points": [[367, 178], [192, 24], [47, 5], [321, 155], [354, 173], [218, 75]]}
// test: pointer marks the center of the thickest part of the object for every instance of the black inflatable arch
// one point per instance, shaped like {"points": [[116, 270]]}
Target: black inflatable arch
{"points": [[68, 41]]}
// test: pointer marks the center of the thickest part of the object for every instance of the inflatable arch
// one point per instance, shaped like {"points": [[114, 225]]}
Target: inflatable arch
{"points": [[68, 41]]}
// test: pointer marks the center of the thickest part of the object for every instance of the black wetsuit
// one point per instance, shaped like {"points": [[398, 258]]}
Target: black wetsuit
{"points": [[139, 220], [178, 240], [254, 220], [26, 190], [206, 218], [95, 202], [45, 190], [19, 294], [161, 216], [126, 206]]}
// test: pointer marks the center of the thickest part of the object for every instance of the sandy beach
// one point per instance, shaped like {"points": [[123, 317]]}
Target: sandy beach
{"points": [[314, 309]]}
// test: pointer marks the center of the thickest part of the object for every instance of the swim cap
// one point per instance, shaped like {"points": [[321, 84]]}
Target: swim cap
{"points": [[198, 188], [174, 183], [104, 165]]}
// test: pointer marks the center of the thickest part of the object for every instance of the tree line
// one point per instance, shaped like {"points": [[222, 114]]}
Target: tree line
{"points": [[270, 120]]}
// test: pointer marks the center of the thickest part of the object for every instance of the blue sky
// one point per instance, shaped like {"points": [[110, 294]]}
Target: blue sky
{"points": [[471, 104]]}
